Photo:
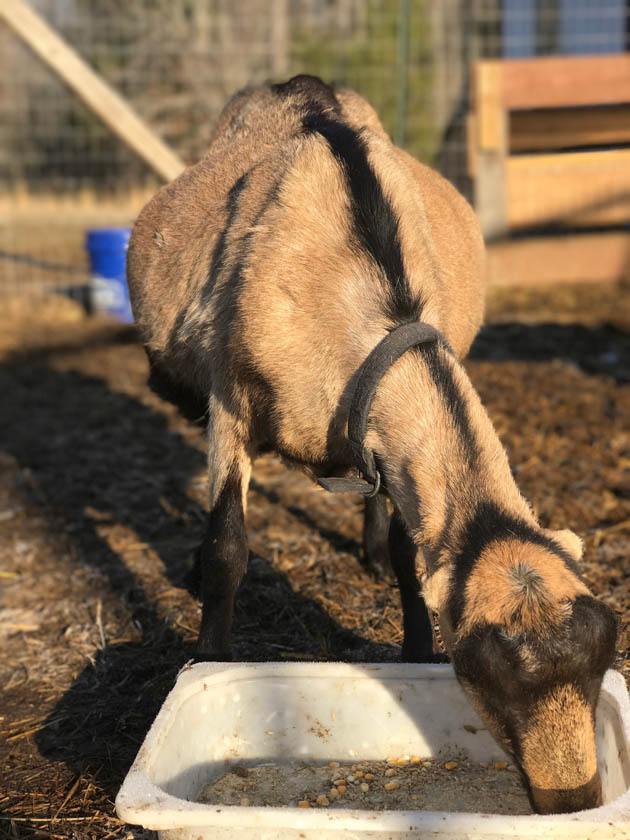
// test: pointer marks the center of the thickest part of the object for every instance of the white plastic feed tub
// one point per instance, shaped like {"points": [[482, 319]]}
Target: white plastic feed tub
{"points": [[222, 713]]}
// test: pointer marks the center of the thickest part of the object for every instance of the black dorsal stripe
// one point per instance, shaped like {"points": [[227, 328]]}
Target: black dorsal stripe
{"points": [[376, 228], [374, 221], [489, 524]]}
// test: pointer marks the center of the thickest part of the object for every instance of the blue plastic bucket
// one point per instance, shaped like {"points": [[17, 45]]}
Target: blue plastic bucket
{"points": [[107, 249]]}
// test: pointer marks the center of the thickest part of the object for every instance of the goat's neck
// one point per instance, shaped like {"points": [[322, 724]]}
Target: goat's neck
{"points": [[439, 452]]}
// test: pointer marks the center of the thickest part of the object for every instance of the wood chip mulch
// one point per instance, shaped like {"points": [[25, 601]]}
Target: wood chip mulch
{"points": [[102, 502]]}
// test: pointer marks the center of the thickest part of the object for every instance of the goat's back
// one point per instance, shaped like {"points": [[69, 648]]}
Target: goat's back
{"points": [[290, 249]]}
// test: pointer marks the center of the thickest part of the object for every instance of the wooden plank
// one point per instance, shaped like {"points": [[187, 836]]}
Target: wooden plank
{"points": [[490, 114], [568, 127], [578, 258], [471, 143], [491, 193], [91, 89], [572, 188], [490, 144], [566, 81]]}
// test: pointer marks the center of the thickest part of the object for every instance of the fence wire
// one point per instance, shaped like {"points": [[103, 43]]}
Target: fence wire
{"points": [[177, 61]]}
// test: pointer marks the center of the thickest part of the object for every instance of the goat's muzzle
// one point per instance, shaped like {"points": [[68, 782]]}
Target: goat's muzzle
{"points": [[566, 801]]}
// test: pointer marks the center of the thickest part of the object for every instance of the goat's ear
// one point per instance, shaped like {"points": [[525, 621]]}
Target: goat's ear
{"points": [[567, 540]]}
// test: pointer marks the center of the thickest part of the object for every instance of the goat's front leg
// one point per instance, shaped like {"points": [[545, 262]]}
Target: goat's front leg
{"points": [[223, 553], [417, 627], [375, 537]]}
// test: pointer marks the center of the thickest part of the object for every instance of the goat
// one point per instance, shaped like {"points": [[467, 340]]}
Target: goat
{"points": [[263, 280]]}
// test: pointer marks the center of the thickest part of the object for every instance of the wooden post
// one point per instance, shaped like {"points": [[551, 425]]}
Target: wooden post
{"points": [[115, 112], [279, 39], [547, 27], [490, 143], [404, 35]]}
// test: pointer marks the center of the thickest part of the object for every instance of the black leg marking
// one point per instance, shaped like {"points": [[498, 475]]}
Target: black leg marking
{"points": [[192, 578], [376, 537], [418, 631], [223, 561]]}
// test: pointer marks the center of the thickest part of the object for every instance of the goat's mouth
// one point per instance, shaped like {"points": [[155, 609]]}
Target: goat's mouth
{"points": [[555, 800], [566, 801]]}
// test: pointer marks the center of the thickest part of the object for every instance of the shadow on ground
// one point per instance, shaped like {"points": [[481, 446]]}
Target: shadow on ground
{"points": [[101, 458], [600, 350]]}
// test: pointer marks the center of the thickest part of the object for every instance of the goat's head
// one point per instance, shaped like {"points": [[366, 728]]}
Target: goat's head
{"points": [[530, 646]]}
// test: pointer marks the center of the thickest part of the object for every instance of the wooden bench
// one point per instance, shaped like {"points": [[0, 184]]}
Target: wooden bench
{"points": [[549, 150]]}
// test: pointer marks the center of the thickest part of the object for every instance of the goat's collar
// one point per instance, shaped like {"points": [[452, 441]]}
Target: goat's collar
{"points": [[375, 366]]}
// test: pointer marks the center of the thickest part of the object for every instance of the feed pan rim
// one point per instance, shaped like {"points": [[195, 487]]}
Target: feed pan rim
{"points": [[141, 801]]}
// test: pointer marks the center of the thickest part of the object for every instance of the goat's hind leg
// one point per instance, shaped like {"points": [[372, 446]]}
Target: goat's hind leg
{"points": [[223, 553]]}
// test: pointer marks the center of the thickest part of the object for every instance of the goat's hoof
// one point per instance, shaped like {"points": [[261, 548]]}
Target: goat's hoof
{"points": [[422, 658], [379, 569], [438, 659], [201, 655]]}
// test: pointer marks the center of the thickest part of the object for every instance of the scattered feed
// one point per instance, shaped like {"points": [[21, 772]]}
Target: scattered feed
{"points": [[393, 785]]}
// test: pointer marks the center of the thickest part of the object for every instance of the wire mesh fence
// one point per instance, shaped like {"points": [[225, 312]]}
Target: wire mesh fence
{"points": [[177, 61]]}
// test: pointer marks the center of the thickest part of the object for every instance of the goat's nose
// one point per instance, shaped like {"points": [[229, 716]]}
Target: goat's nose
{"points": [[558, 801]]}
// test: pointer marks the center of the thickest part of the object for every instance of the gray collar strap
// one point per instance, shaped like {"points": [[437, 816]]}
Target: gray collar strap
{"points": [[376, 365]]}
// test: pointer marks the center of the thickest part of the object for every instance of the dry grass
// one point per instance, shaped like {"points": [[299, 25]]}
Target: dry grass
{"points": [[102, 502]]}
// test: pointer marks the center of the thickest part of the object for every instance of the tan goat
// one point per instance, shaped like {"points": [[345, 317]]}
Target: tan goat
{"points": [[262, 280]]}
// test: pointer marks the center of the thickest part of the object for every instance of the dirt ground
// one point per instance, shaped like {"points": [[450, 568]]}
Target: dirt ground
{"points": [[102, 502]]}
